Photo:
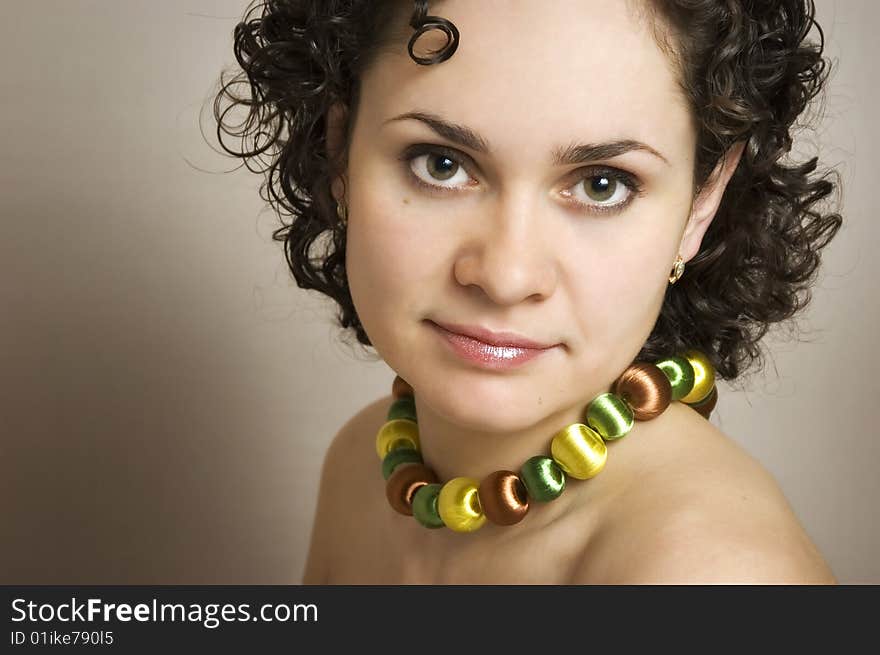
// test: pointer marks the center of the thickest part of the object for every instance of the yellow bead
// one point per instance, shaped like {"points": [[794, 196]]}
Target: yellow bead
{"points": [[579, 450], [704, 376], [399, 433], [459, 505]]}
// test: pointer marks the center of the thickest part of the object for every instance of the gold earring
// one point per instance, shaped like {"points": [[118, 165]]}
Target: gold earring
{"points": [[342, 213], [677, 270]]}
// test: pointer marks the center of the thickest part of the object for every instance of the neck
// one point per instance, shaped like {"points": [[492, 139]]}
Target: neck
{"points": [[453, 450]]}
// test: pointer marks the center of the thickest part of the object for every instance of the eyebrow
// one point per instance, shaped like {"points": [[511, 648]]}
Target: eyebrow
{"points": [[562, 155]]}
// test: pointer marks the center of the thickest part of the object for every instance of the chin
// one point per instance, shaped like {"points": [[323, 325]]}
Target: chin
{"points": [[485, 403]]}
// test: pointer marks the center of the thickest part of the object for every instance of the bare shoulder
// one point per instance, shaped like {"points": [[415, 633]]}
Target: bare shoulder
{"points": [[345, 458], [696, 508], [349, 442]]}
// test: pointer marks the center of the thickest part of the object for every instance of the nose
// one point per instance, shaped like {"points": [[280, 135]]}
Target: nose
{"points": [[511, 257]]}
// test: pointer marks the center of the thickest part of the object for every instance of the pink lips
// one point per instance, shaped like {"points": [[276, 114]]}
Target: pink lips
{"points": [[494, 350]]}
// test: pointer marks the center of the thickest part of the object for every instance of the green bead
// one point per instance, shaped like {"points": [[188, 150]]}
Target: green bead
{"points": [[610, 416], [424, 506], [543, 479], [399, 456], [680, 373], [403, 408]]}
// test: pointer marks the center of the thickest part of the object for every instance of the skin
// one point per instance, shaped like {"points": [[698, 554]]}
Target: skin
{"points": [[509, 248]]}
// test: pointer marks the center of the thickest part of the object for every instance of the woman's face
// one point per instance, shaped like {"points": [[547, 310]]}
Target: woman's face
{"points": [[559, 221]]}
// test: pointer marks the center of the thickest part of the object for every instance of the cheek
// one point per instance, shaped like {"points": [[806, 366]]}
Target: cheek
{"points": [[382, 261], [618, 296]]}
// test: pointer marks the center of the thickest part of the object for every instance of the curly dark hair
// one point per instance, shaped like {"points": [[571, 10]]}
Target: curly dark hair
{"points": [[746, 67]]}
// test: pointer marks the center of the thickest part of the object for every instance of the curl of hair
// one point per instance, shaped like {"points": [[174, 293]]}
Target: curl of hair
{"points": [[746, 68], [422, 23]]}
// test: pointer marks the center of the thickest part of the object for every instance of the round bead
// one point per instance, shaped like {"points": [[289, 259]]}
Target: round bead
{"points": [[399, 433], [399, 456], [579, 451], [680, 374], [610, 416], [424, 505], [503, 498], [705, 406], [543, 479], [400, 388], [404, 407], [403, 484], [704, 377], [459, 505], [646, 389]]}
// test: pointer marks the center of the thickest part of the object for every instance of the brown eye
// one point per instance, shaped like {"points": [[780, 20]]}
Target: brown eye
{"points": [[600, 188], [604, 190], [432, 167], [441, 167]]}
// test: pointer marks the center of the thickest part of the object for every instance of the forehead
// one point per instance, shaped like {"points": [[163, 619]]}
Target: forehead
{"points": [[545, 73]]}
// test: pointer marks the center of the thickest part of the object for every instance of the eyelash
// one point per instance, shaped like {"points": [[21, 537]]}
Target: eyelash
{"points": [[611, 173]]}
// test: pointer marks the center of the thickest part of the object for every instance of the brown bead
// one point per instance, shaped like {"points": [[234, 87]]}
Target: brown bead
{"points": [[400, 388], [403, 484], [503, 498], [646, 389], [704, 407]]}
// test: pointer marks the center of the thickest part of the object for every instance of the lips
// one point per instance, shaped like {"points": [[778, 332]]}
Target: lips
{"points": [[492, 338], [489, 350]]}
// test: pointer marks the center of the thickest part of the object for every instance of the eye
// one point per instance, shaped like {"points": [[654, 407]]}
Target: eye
{"points": [[599, 188], [438, 168], [604, 189]]}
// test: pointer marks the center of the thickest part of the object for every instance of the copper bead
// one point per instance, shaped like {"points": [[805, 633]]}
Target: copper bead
{"points": [[705, 406], [403, 484], [400, 388], [646, 389], [503, 497]]}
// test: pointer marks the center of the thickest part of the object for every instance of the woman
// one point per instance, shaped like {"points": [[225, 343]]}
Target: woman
{"points": [[514, 202]]}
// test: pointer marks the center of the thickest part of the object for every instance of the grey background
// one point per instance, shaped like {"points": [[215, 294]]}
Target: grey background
{"points": [[167, 392]]}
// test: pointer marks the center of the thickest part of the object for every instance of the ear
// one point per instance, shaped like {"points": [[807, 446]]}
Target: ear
{"points": [[708, 199], [335, 137]]}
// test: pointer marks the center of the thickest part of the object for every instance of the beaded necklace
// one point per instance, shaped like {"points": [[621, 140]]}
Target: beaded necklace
{"points": [[642, 392]]}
